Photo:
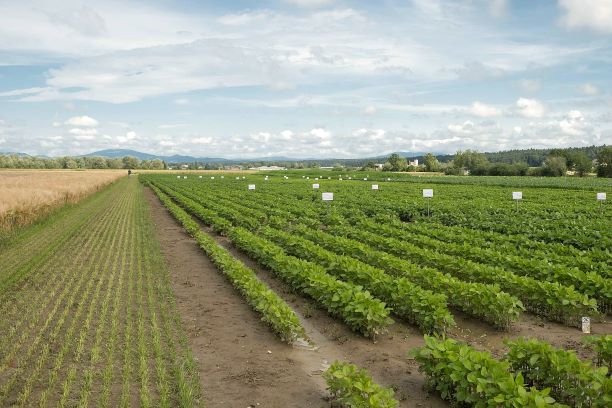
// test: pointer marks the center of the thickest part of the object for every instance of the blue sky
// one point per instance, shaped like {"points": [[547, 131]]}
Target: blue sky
{"points": [[304, 78]]}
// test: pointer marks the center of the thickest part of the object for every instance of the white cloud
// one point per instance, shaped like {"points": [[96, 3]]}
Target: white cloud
{"points": [[530, 108], [484, 111], [181, 101], [574, 124], [365, 135], [202, 140], [83, 121], [498, 8], [466, 128], [592, 14], [369, 110], [588, 89], [530, 86], [309, 3]]}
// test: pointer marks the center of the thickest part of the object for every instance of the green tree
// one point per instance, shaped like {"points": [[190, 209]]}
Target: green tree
{"points": [[604, 162], [555, 166], [431, 162], [582, 164], [130, 162], [397, 162]]}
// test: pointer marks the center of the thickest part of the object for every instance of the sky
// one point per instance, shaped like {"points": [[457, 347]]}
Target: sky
{"points": [[303, 78]]}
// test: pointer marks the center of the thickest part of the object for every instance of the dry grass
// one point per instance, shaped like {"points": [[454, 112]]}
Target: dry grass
{"points": [[27, 195]]}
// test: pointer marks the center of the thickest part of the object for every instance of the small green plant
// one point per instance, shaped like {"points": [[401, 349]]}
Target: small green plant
{"points": [[353, 387]]}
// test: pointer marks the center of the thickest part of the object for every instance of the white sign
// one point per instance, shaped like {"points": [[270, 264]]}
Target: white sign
{"points": [[517, 195], [251, 186], [427, 193], [601, 196], [374, 186], [340, 178], [316, 178], [327, 196], [212, 178], [243, 177], [365, 179], [307, 178], [184, 177], [315, 186], [388, 179], [237, 178], [329, 178], [178, 177], [586, 325], [350, 178], [222, 176], [200, 176]]}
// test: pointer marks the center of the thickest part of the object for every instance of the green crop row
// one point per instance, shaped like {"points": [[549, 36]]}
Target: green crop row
{"points": [[407, 300], [355, 306], [602, 346], [552, 300], [274, 311], [572, 381], [468, 377], [483, 301], [590, 284], [353, 387]]}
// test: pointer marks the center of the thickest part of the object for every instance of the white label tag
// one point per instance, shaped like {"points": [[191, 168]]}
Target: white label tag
{"points": [[251, 186], [601, 196], [200, 176], [586, 325], [178, 177], [427, 192], [212, 178], [374, 186], [237, 178], [316, 178], [517, 195], [315, 186], [327, 196], [365, 179], [184, 177]]}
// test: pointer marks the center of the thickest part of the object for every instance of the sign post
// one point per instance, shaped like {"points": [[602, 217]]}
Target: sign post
{"points": [[586, 325], [517, 196], [374, 186], [428, 195], [601, 197], [251, 186]]}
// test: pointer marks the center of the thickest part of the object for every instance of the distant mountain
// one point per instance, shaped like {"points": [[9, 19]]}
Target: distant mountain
{"points": [[118, 153]]}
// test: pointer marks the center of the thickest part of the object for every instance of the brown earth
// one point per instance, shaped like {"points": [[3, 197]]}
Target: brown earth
{"points": [[232, 345]]}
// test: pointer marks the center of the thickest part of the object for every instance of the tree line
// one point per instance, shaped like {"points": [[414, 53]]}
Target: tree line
{"points": [[558, 162], [14, 161]]}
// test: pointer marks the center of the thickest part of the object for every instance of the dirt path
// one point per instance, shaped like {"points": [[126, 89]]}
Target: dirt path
{"points": [[241, 362]]}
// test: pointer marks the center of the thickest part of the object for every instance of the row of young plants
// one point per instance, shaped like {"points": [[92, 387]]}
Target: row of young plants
{"points": [[485, 301], [353, 387], [602, 347], [355, 306], [590, 284], [467, 377], [551, 300], [515, 245], [571, 381], [408, 301], [273, 310], [554, 301]]}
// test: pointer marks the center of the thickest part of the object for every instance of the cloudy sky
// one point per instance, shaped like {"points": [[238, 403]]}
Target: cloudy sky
{"points": [[303, 78]]}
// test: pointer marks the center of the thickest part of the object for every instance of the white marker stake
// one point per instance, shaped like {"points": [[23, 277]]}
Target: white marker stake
{"points": [[365, 179], [388, 179], [178, 177], [200, 176], [212, 178], [315, 186], [237, 178], [327, 196], [586, 325], [243, 177], [428, 194], [517, 196], [251, 186], [601, 196], [222, 176], [329, 178], [307, 178], [374, 186], [340, 178], [316, 178], [184, 177]]}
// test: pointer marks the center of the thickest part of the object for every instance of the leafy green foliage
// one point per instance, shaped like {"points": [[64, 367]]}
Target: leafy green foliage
{"points": [[474, 378], [602, 346], [571, 381], [353, 387]]}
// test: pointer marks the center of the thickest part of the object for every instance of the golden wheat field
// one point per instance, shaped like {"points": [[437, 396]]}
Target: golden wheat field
{"points": [[26, 195]]}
